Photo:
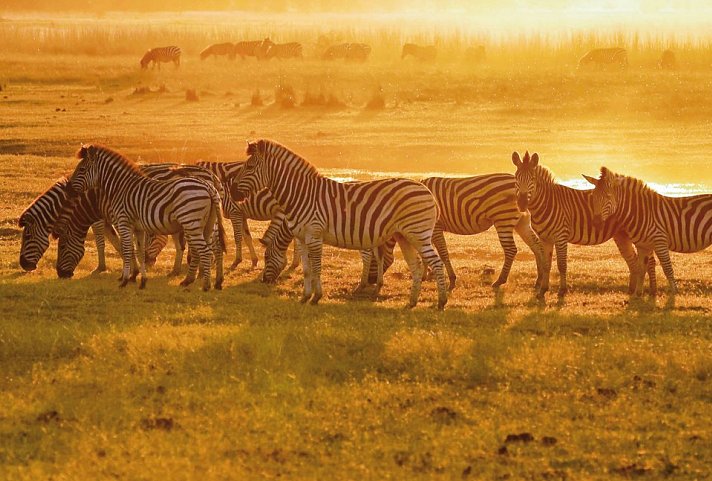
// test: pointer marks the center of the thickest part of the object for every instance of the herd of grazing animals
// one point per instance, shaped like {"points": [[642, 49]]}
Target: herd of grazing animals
{"points": [[126, 202]]}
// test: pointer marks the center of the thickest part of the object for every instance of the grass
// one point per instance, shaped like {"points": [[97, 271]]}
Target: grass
{"points": [[246, 383]]}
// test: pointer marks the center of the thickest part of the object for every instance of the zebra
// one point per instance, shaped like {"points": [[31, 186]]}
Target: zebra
{"points": [[73, 223], [248, 48], [37, 220], [561, 215], [361, 215], [602, 57], [654, 222], [667, 61], [357, 52], [269, 50], [140, 204], [423, 53], [161, 54], [216, 49]]}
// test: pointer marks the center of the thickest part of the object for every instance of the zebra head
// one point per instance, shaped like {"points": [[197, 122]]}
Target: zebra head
{"points": [[525, 178], [84, 176], [70, 248], [604, 196], [253, 176], [35, 241], [276, 240], [146, 59]]}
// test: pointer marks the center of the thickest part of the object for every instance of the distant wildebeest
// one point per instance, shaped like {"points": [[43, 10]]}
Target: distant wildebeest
{"points": [[475, 54], [248, 48], [216, 49], [161, 54], [605, 57], [269, 50], [424, 54], [356, 52], [667, 61]]}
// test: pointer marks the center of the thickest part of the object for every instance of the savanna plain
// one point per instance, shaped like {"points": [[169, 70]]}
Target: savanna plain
{"points": [[246, 383]]}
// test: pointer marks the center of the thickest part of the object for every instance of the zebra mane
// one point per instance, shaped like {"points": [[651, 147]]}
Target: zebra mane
{"points": [[275, 149], [609, 177], [60, 184], [545, 174], [111, 155]]}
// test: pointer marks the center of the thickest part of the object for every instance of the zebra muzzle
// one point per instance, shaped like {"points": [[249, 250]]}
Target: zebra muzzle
{"points": [[27, 265], [522, 202]]}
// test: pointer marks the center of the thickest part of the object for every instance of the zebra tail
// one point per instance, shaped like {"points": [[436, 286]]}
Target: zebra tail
{"points": [[218, 218]]}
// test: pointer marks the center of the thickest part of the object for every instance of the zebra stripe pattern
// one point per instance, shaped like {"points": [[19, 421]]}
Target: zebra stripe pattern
{"points": [[602, 57], [561, 215], [160, 55], [140, 204], [37, 221], [422, 53], [360, 215], [248, 48], [357, 52], [73, 223], [269, 50], [654, 222], [219, 49]]}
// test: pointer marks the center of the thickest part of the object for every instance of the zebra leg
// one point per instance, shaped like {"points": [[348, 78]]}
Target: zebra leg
{"points": [[506, 239], [315, 248], [206, 254], [416, 270], [524, 229], [218, 249], [368, 260], [236, 220], [193, 262], [307, 268], [431, 259], [379, 254], [651, 275], [644, 255], [663, 252], [248, 242], [296, 255], [141, 254], [548, 248], [440, 245], [625, 247], [127, 252], [179, 242], [561, 253], [98, 229]]}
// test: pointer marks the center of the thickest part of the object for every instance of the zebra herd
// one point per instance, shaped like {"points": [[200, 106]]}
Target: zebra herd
{"points": [[127, 202]]}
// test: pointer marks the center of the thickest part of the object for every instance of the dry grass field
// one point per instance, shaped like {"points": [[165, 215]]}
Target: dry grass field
{"points": [[246, 383]]}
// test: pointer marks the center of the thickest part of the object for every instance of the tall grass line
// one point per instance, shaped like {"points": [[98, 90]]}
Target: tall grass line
{"points": [[133, 37]]}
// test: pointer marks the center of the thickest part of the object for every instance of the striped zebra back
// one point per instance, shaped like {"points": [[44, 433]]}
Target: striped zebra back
{"points": [[247, 48], [423, 53], [617, 57], [684, 222], [284, 50], [37, 221], [161, 54]]}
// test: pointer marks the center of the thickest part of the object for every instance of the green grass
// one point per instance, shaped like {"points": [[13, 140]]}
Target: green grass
{"points": [[101, 383]]}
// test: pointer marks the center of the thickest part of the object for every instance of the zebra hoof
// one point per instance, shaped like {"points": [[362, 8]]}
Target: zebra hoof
{"points": [[304, 299], [186, 282], [562, 292], [206, 288], [497, 284], [123, 282], [98, 270], [235, 263], [218, 285], [410, 305], [142, 285], [174, 273], [314, 301], [254, 263]]}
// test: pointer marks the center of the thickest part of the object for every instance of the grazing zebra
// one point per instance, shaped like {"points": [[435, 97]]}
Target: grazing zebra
{"points": [[422, 53], [216, 49], [37, 221], [667, 61], [561, 215], [248, 48], [475, 55], [654, 222], [361, 215], [356, 52], [73, 223], [605, 57], [140, 204], [269, 50], [161, 54]]}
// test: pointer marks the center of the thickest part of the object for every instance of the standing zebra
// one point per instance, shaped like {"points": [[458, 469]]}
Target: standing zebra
{"points": [[216, 49], [561, 215], [605, 57], [654, 222], [140, 204], [161, 54], [37, 221], [356, 52], [422, 53], [73, 223], [269, 50], [248, 48], [361, 215]]}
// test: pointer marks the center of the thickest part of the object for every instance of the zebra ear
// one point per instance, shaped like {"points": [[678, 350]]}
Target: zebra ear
{"points": [[251, 148], [526, 157], [535, 159], [22, 221], [516, 160], [82, 152], [590, 179]]}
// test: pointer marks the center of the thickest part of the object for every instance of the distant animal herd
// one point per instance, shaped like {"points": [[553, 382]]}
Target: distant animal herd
{"points": [[359, 52], [136, 207]]}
